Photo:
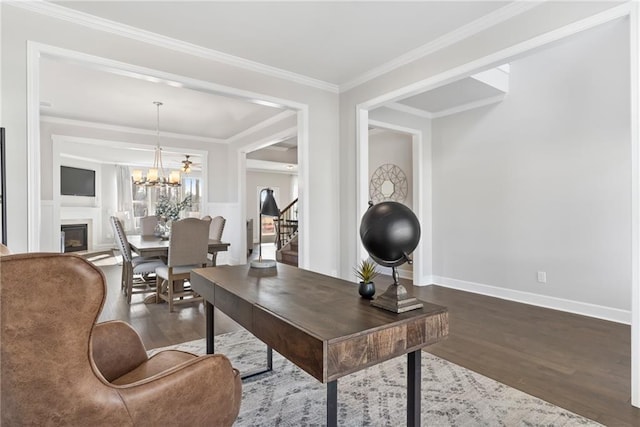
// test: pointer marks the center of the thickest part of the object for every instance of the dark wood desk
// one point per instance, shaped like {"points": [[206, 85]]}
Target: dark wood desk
{"points": [[150, 246], [321, 324]]}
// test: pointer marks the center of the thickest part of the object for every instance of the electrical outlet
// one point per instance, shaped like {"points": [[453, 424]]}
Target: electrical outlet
{"points": [[542, 277]]}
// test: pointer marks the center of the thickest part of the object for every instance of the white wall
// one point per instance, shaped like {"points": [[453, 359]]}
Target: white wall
{"points": [[541, 181], [109, 202], [421, 182], [217, 176], [389, 147], [20, 26], [79, 153], [79, 210], [428, 70]]}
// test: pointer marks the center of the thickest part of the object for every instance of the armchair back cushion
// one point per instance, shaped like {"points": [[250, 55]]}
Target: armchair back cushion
{"points": [[58, 367], [47, 373]]}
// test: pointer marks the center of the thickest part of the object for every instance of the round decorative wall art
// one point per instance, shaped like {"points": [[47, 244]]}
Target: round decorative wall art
{"points": [[388, 182]]}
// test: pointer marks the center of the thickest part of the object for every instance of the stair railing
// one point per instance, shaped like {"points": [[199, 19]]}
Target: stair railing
{"points": [[287, 224]]}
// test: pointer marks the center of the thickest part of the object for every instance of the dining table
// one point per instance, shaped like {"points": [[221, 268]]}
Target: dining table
{"points": [[151, 246]]}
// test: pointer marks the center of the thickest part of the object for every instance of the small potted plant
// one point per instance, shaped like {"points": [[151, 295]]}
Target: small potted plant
{"points": [[366, 272]]}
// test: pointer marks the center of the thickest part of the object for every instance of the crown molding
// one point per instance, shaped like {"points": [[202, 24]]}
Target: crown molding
{"points": [[499, 57], [256, 165], [409, 110], [464, 32], [101, 24], [262, 125], [468, 106], [443, 113], [127, 129], [280, 149]]}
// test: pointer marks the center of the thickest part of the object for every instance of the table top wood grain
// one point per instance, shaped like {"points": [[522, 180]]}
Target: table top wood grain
{"points": [[318, 322]]}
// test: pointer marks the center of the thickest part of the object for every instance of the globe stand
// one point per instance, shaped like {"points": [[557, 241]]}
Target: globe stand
{"points": [[396, 298]]}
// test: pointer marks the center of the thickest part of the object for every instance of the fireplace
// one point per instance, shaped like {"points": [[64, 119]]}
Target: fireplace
{"points": [[75, 237]]}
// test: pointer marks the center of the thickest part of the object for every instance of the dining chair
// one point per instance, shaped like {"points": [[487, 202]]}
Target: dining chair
{"points": [[59, 367], [148, 224], [135, 270], [188, 245], [215, 233]]}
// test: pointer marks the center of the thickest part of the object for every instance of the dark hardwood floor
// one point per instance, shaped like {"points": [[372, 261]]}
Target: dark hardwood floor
{"points": [[578, 363], [156, 326]]}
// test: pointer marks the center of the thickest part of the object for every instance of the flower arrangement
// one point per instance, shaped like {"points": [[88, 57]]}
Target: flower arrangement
{"points": [[170, 209], [366, 271]]}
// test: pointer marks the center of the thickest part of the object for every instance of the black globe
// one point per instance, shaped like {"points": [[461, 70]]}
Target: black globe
{"points": [[389, 231]]}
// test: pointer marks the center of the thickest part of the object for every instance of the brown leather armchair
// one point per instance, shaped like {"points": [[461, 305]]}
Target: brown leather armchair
{"points": [[58, 367]]}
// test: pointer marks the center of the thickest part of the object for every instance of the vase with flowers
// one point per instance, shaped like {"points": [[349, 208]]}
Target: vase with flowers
{"points": [[169, 210]]}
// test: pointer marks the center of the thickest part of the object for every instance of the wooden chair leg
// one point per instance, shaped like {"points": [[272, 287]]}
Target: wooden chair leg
{"points": [[170, 293], [123, 278], [129, 282], [158, 288]]}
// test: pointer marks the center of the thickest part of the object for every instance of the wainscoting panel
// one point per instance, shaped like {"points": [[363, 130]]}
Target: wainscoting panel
{"points": [[234, 230], [48, 242]]}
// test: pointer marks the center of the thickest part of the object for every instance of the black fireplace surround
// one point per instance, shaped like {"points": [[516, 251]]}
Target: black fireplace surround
{"points": [[75, 237]]}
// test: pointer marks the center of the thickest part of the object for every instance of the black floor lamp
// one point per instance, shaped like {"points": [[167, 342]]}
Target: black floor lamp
{"points": [[268, 207]]}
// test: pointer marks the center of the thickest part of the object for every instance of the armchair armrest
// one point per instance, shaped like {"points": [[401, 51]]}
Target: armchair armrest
{"points": [[116, 348], [203, 391]]}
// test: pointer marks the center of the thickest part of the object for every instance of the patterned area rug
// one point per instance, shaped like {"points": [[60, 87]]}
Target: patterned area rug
{"points": [[451, 395]]}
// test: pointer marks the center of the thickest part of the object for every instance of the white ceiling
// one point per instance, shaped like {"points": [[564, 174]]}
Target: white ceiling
{"points": [[77, 92], [335, 42], [99, 153]]}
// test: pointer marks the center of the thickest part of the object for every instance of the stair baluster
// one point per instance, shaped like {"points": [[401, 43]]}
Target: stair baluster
{"points": [[286, 232]]}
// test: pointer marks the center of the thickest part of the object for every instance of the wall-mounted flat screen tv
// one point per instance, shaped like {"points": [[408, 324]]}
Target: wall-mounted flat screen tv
{"points": [[77, 182]]}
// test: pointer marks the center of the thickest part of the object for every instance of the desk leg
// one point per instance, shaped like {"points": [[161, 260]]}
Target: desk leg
{"points": [[414, 385], [332, 403], [260, 371], [209, 320]]}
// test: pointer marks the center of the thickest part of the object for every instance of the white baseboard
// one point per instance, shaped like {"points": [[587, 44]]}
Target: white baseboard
{"points": [[583, 308], [103, 247]]}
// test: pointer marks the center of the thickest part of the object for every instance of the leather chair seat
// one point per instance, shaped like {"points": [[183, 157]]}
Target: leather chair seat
{"points": [[154, 365]]}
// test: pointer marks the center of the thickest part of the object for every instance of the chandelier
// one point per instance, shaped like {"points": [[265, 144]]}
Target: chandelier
{"points": [[156, 176]]}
